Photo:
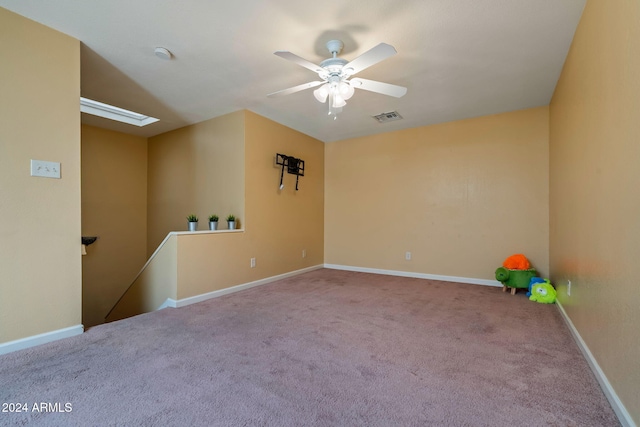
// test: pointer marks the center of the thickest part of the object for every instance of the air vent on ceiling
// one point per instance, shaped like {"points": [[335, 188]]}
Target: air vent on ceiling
{"points": [[388, 117]]}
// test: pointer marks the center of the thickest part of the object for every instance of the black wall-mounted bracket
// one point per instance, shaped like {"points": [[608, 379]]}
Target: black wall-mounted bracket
{"points": [[88, 240], [293, 165]]}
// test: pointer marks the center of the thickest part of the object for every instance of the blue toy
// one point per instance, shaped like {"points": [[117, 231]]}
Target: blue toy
{"points": [[532, 282]]}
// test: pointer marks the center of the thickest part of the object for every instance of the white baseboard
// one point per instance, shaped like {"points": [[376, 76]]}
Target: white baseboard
{"points": [[214, 294], [170, 302], [35, 340], [609, 392], [470, 280]]}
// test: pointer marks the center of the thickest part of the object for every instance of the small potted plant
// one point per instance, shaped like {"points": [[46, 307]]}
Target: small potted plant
{"points": [[193, 222], [213, 222], [231, 222]]}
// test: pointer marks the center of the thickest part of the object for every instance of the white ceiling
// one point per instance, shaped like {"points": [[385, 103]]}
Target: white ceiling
{"points": [[458, 58]]}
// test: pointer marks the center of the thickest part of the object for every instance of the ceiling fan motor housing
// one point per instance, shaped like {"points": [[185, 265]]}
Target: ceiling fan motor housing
{"points": [[333, 66]]}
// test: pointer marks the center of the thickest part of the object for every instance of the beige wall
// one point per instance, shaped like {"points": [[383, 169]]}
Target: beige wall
{"points": [[197, 169], [283, 222], [40, 279], [460, 196], [157, 282], [114, 208], [594, 174], [278, 225]]}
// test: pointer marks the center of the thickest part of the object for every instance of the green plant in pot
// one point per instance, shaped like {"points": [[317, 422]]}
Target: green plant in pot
{"points": [[193, 222], [231, 222], [213, 222]]}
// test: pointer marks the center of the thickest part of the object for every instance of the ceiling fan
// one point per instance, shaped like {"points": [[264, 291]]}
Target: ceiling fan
{"points": [[335, 73]]}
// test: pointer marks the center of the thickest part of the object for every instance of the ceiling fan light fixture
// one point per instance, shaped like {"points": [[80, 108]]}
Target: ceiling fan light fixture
{"points": [[322, 93], [346, 90], [338, 101], [334, 111]]}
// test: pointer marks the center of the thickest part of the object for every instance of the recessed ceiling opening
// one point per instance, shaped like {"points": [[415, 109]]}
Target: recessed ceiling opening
{"points": [[107, 111]]}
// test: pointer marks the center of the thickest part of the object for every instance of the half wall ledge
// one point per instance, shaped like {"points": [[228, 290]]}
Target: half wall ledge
{"points": [[180, 233]]}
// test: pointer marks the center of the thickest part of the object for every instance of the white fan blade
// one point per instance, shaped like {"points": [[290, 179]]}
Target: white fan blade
{"points": [[298, 60], [374, 86], [296, 88], [369, 58]]}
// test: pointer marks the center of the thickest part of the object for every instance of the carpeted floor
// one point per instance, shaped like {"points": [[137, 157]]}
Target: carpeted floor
{"points": [[327, 348]]}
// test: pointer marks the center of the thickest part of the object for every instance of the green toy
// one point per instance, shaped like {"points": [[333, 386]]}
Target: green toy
{"points": [[515, 278], [543, 293]]}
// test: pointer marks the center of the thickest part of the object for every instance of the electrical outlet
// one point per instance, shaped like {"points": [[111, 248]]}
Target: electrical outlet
{"points": [[45, 169], [304, 253], [569, 288], [253, 263], [407, 256]]}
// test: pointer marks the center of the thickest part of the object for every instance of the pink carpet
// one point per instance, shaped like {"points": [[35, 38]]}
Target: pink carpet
{"points": [[327, 348]]}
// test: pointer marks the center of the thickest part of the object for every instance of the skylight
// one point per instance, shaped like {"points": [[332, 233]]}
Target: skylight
{"points": [[107, 111]]}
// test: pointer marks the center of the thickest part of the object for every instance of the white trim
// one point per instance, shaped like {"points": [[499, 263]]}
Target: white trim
{"points": [[471, 280], [623, 415], [183, 233], [170, 302], [35, 340]]}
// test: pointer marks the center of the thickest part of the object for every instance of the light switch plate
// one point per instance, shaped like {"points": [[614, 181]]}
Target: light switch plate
{"points": [[45, 169]]}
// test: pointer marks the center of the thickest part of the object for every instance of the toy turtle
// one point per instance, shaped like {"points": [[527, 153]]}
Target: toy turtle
{"points": [[514, 279]]}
